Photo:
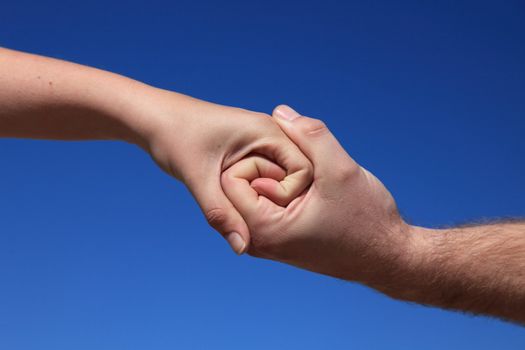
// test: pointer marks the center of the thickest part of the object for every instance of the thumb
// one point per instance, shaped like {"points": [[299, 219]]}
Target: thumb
{"points": [[318, 144], [220, 213]]}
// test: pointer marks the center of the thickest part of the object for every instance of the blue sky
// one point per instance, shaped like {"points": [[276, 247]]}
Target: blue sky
{"points": [[101, 250]]}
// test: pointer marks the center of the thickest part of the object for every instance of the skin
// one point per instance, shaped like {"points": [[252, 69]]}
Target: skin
{"points": [[193, 140], [346, 225]]}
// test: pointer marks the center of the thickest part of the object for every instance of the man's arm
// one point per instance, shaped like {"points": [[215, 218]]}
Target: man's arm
{"points": [[477, 269], [347, 225]]}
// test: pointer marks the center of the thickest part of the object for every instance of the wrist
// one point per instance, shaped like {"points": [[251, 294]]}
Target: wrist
{"points": [[130, 105], [148, 113], [409, 264], [162, 123], [418, 267]]}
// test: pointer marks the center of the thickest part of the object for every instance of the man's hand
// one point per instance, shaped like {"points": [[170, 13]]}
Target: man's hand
{"points": [[347, 225]]}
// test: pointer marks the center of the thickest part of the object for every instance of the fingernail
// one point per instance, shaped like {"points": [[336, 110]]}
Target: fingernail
{"points": [[236, 242], [287, 113]]}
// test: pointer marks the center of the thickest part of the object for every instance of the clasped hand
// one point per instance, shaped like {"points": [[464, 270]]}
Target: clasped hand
{"points": [[281, 188], [342, 224]]}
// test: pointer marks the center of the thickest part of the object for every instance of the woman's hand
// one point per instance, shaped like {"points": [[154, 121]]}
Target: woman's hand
{"points": [[195, 141]]}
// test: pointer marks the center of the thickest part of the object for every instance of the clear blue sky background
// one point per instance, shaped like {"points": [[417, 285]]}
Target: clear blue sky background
{"points": [[101, 250]]}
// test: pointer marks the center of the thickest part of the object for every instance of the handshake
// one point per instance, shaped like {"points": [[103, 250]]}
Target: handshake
{"points": [[283, 188], [277, 187]]}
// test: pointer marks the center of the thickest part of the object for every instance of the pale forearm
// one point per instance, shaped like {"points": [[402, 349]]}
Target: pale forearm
{"points": [[476, 269], [190, 139], [46, 98]]}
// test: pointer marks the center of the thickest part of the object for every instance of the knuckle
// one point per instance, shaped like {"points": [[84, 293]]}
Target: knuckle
{"points": [[346, 172], [308, 172], [216, 217], [227, 174], [313, 127]]}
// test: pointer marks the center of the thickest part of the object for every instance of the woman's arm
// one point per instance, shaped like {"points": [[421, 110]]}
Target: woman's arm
{"points": [[45, 98], [193, 140]]}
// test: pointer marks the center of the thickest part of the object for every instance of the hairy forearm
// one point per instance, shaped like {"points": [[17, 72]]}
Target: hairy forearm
{"points": [[477, 269], [46, 98]]}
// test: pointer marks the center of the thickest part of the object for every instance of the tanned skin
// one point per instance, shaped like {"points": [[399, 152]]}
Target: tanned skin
{"points": [[347, 225], [479, 269]]}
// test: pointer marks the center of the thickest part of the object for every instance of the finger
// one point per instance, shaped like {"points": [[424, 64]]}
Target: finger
{"points": [[246, 179], [271, 189], [299, 171], [220, 212], [271, 181], [314, 139], [299, 174]]}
